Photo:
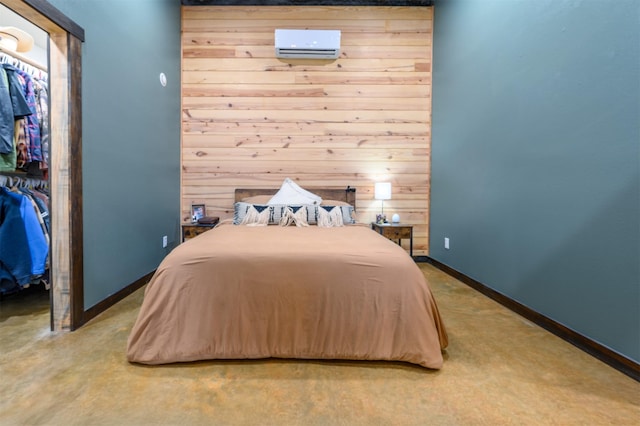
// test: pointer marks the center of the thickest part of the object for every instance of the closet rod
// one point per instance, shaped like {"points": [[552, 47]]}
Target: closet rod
{"points": [[23, 58], [22, 181]]}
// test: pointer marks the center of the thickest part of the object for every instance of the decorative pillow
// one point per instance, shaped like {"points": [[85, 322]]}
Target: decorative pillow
{"points": [[294, 214], [277, 212], [329, 216], [256, 215], [291, 193], [346, 211], [274, 214], [247, 213]]}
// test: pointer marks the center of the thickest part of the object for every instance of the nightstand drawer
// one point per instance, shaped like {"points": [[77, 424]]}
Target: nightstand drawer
{"points": [[192, 230], [396, 233]]}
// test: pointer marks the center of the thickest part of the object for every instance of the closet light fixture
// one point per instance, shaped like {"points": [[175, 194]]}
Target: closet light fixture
{"points": [[15, 39]]}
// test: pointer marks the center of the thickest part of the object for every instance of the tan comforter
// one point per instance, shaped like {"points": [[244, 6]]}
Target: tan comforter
{"points": [[239, 292]]}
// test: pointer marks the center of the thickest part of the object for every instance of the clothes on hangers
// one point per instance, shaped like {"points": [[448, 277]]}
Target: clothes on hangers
{"points": [[8, 162], [41, 202], [24, 204], [24, 115], [42, 111], [6, 114], [24, 239], [29, 147]]}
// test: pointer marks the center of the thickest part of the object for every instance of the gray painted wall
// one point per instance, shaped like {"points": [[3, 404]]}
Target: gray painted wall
{"points": [[131, 138], [536, 157]]}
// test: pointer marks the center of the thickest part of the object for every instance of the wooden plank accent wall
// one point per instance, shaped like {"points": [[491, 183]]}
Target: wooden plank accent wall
{"points": [[250, 119]]}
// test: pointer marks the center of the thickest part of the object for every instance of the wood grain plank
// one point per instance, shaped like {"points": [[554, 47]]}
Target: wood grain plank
{"points": [[311, 77], [325, 91], [307, 12], [291, 154], [307, 128], [300, 168], [190, 141], [306, 103], [273, 64], [411, 184], [346, 25], [194, 115]]}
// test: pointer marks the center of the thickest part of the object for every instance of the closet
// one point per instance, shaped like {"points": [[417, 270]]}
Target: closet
{"points": [[25, 225], [64, 60]]}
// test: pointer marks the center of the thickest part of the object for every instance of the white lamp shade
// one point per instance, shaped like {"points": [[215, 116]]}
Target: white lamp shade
{"points": [[383, 191]]}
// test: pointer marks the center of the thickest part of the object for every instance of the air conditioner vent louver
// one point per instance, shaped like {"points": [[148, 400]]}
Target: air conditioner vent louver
{"points": [[315, 44], [286, 53]]}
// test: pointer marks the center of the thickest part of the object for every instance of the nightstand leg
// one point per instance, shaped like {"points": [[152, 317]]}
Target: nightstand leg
{"points": [[411, 243]]}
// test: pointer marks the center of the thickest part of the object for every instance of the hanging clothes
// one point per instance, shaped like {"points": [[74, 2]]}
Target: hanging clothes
{"points": [[9, 162], [24, 242], [19, 100], [41, 203], [19, 108], [24, 116], [42, 110], [30, 125], [6, 115]]}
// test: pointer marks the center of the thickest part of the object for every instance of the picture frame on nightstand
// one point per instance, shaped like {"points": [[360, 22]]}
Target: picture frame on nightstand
{"points": [[198, 211]]}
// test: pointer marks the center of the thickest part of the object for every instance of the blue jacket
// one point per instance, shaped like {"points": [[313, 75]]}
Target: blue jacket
{"points": [[36, 240], [15, 256]]}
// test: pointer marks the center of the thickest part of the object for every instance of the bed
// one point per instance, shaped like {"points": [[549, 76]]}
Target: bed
{"points": [[253, 292]]}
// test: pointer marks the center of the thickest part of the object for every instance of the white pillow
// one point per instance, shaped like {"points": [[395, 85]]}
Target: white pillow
{"points": [[291, 193]]}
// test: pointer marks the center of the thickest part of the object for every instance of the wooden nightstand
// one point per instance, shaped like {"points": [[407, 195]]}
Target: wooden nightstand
{"points": [[395, 231], [190, 230]]}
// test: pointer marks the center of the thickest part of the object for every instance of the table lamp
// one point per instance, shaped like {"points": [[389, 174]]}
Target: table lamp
{"points": [[382, 192]]}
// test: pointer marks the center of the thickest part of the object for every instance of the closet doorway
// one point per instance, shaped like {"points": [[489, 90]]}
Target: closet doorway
{"points": [[65, 160], [24, 155]]}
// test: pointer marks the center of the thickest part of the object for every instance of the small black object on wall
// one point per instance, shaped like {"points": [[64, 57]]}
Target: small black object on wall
{"points": [[347, 195]]}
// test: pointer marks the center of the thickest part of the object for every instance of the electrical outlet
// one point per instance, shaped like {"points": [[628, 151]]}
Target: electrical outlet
{"points": [[164, 241], [446, 243]]}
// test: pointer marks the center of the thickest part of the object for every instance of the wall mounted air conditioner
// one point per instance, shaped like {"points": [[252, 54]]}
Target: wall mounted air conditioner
{"points": [[318, 44]]}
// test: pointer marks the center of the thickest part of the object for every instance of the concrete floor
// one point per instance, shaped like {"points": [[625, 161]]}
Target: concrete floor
{"points": [[500, 369]]}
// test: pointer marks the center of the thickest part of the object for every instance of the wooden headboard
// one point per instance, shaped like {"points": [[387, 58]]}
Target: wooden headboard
{"points": [[347, 194]]}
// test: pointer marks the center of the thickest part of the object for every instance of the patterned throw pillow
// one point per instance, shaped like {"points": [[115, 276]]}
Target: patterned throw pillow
{"points": [[294, 215], [329, 216], [256, 215], [346, 211], [263, 214]]}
